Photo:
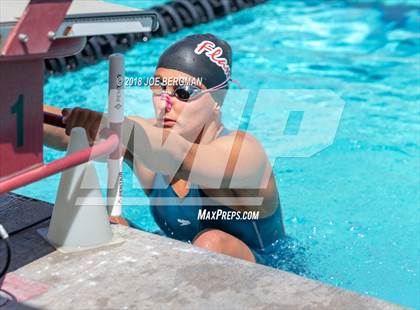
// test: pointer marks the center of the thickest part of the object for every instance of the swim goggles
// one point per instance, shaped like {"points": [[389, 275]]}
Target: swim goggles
{"points": [[187, 92]]}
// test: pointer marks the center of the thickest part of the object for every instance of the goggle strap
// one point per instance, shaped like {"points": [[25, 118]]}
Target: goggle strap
{"points": [[166, 97], [237, 83]]}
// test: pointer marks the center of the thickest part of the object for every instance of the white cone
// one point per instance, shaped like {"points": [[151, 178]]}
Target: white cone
{"points": [[76, 222]]}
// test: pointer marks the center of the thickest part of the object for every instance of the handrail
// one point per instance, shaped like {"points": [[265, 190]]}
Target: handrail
{"points": [[103, 148], [53, 119]]}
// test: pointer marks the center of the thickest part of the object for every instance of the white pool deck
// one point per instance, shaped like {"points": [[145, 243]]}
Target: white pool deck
{"points": [[147, 271]]}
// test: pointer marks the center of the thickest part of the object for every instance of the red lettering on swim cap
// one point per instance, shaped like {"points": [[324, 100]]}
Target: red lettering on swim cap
{"points": [[204, 46], [213, 53]]}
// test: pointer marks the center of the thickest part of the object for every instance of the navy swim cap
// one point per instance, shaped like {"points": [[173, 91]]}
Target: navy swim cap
{"points": [[201, 56]]}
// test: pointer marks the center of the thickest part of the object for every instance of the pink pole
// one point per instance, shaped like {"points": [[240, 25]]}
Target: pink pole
{"points": [[98, 150]]}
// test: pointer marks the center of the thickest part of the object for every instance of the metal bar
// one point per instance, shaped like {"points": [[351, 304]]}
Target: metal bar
{"points": [[54, 120]]}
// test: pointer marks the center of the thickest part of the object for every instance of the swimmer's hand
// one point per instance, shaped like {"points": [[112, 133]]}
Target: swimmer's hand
{"points": [[90, 120]]}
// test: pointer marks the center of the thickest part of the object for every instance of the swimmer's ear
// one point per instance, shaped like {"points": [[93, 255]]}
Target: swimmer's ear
{"points": [[217, 104], [217, 107], [219, 96]]}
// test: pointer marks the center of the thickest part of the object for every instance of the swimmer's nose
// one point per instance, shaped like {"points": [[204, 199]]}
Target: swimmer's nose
{"points": [[166, 99]]}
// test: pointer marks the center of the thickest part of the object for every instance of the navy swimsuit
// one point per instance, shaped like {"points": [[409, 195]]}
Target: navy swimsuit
{"points": [[178, 217]]}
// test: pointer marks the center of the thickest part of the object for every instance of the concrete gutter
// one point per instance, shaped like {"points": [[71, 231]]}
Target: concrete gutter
{"points": [[153, 272]]}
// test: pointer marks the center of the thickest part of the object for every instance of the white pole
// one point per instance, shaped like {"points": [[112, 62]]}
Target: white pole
{"points": [[116, 118]]}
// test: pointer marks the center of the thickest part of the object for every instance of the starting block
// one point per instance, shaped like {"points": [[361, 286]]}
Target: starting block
{"points": [[31, 31]]}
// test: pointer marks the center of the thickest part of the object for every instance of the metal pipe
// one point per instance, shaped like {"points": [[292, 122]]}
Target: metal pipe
{"points": [[54, 120]]}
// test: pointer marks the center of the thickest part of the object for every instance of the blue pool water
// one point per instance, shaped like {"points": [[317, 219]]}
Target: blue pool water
{"points": [[352, 210]]}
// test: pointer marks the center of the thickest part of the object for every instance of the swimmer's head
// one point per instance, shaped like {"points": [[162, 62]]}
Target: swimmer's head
{"points": [[203, 56], [205, 60]]}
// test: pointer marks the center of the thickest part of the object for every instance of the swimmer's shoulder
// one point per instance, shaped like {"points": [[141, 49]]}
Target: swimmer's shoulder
{"points": [[247, 147], [241, 138]]}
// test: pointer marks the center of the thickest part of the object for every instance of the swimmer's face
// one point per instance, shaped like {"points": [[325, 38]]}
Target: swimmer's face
{"points": [[185, 118]]}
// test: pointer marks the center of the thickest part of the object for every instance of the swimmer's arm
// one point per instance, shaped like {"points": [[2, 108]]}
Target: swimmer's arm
{"points": [[239, 158], [236, 161], [56, 138]]}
